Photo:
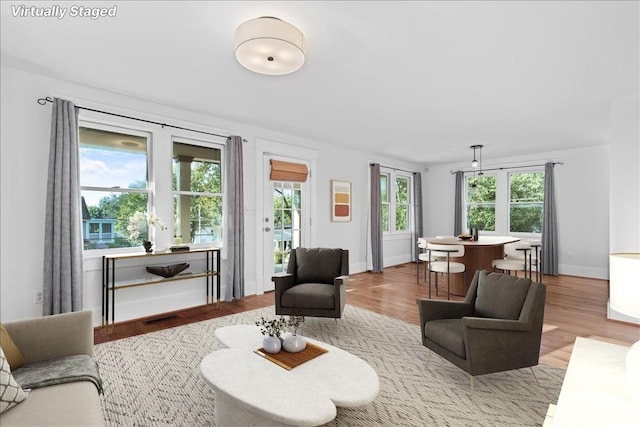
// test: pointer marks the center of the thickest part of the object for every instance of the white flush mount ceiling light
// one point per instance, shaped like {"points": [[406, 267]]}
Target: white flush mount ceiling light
{"points": [[269, 45]]}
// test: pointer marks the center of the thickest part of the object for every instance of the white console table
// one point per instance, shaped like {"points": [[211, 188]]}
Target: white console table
{"points": [[595, 390]]}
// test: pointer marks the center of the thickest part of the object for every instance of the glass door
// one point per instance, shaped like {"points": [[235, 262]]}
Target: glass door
{"points": [[285, 224]]}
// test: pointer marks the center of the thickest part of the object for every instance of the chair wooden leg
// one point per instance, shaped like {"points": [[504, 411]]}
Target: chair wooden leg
{"points": [[534, 375], [428, 357], [430, 283]]}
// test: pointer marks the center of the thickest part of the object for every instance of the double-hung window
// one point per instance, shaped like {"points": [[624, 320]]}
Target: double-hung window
{"points": [[481, 202], [507, 202], [114, 183], [396, 200], [197, 190], [526, 197], [130, 174]]}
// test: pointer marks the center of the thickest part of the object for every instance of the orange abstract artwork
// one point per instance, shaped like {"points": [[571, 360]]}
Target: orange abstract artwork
{"points": [[341, 201]]}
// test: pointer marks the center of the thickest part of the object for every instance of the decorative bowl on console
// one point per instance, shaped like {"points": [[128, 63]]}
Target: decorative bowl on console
{"points": [[169, 270]]}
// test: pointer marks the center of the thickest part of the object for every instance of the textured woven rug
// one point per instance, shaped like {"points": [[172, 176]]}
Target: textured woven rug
{"points": [[154, 380]]}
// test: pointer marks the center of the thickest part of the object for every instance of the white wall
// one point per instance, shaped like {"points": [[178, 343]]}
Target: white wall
{"points": [[625, 176], [582, 197], [624, 227], [24, 161]]}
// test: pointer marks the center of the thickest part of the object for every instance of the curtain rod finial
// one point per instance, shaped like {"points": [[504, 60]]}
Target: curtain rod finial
{"points": [[43, 101]]}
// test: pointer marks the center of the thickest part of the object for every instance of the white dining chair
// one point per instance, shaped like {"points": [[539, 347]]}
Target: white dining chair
{"points": [[436, 253], [516, 258], [422, 256], [535, 260]]}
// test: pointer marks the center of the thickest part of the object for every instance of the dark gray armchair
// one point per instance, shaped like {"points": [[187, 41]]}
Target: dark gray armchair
{"points": [[315, 283], [498, 326]]}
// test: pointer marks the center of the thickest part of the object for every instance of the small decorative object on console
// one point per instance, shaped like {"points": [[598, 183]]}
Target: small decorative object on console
{"points": [[179, 248], [169, 270]]}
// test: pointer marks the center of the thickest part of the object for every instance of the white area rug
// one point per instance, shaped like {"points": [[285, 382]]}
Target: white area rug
{"points": [[154, 379]]}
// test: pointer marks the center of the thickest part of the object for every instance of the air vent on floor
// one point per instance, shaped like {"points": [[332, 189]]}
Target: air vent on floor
{"points": [[159, 320]]}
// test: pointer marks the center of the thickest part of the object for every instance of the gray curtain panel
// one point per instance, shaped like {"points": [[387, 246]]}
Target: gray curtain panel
{"points": [[459, 203], [418, 212], [62, 281], [234, 231], [549, 227], [376, 220]]}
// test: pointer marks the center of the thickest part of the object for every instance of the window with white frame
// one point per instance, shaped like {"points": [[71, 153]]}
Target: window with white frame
{"points": [[395, 195], [526, 198], [507, 202], [124, 177], [481, 202], [197, 189], [114, 183]]}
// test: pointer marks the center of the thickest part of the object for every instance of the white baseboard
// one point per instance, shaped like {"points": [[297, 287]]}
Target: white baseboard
{"points": [[584, 271]]}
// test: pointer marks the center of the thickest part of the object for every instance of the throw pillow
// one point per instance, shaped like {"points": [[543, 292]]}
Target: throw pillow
{"points": [[500, 296], [11, 350], [10, 391]]}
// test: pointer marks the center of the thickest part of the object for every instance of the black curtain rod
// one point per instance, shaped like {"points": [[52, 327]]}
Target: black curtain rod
{"points": [[507, 167], [395, 169], [44, 101]]}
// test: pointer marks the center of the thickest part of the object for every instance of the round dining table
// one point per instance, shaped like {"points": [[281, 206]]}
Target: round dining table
{"points": [[478, 255]]}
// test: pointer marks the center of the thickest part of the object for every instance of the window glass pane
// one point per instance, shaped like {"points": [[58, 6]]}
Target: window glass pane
{"points": [[402, 195], [105, 218], [198, 219], [402, 217], [402, 204], [110, 159], [384, 194], [277, 220], [297, 195], [526, 202], [481, 202], [385, 217], [196, 168]]}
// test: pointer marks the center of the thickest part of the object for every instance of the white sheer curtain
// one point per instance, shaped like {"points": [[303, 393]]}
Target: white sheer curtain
{"points": [[62, 279]]}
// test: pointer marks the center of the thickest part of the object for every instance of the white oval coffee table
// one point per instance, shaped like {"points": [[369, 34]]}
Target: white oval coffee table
{"points": [[252, 391], [341, 376]]}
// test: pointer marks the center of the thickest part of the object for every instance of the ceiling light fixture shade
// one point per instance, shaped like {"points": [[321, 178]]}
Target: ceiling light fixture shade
{"points": [[269, 45]]}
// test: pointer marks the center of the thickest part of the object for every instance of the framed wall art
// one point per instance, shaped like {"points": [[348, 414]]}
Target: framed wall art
{"points": [[340, 201]]}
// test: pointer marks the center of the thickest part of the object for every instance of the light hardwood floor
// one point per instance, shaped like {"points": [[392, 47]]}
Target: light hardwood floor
{"points": [[575, 306]]}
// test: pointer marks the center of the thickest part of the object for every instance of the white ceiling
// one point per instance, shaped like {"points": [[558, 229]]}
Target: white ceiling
{"points": [[420, 81]]}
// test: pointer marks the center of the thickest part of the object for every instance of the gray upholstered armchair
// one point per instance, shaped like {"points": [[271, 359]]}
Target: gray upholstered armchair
{"points": [[498, 326], [315, 283]]}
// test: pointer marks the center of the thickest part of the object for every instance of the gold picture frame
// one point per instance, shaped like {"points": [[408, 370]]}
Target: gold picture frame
{"points": [[340, 201]]}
